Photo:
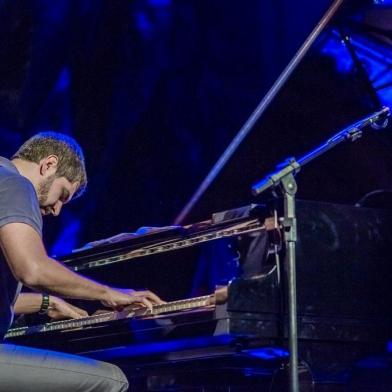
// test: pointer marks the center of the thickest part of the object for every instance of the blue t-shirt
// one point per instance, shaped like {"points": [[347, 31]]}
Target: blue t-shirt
{"points": [[18, 204]]}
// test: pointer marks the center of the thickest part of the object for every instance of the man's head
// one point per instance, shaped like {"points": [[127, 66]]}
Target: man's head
{"points": [[61, 169]]}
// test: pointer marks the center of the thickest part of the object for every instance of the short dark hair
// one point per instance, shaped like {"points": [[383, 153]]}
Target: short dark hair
{"points": [[71, 163]]}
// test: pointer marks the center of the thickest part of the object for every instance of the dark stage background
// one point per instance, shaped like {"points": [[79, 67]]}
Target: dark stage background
{"points": [[155, 90]]}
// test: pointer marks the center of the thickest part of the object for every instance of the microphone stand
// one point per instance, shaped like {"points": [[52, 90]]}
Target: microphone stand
{"points": [[282, 181]]}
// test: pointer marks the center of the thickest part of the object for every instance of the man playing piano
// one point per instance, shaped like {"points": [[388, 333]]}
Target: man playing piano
{"points": [[44, 174]]}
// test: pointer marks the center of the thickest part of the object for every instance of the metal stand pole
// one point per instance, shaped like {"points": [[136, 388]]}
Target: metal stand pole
{"points": [[289, 188]]}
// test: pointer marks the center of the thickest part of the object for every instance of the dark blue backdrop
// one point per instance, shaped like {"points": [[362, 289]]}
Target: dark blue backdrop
{"points": [[154, 91]]}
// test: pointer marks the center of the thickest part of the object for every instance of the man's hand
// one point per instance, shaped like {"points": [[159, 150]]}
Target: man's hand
{"points": [[28, 303], [118, 298], [60, 309]]}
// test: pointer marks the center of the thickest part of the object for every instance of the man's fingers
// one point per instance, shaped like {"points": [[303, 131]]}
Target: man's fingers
{"points": [[138, 299], [145, 302], [79, 311], [123, 297], [150, 295], [72, 313]]}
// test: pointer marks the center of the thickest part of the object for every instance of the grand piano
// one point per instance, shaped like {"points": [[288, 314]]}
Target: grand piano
{"points": [[236, 335]]}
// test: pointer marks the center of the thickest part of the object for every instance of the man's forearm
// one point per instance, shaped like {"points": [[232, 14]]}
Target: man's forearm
{"points": [[54, 278]]}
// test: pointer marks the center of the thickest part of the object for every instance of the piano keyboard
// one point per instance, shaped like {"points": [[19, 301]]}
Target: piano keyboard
{"points": [[169, 307]]}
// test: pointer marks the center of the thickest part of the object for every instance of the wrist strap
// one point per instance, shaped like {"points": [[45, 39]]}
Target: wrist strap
{"points": [[44, 304]]}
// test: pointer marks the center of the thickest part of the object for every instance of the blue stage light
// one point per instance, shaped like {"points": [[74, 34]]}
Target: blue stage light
{"points": [[374, 57], [269, 353], [67, 239], [383, 2]]}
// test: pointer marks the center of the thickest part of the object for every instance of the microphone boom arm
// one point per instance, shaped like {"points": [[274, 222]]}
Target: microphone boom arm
{"points": [[353, 132]]}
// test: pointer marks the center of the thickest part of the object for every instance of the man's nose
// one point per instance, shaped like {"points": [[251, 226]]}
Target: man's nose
{"points": [[57, 208]]}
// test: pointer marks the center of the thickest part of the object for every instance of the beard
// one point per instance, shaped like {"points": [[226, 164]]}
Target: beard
{"points": [[43, 189]]}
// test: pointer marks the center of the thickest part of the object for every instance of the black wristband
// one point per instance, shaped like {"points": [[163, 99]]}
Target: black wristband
{"points": [[44, 304]]}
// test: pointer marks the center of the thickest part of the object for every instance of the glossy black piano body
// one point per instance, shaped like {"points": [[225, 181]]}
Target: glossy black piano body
{"points": [[344, 271]]}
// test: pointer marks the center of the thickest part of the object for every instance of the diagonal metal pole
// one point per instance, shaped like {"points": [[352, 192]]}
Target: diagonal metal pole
{"points": [[260, 109]]}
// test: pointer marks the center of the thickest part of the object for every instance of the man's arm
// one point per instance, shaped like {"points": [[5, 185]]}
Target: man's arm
{"points": [[28, 303], [27, 258]]}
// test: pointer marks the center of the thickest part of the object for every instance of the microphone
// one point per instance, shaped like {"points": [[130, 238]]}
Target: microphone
{"points": [[377, 120], [381, 121]]}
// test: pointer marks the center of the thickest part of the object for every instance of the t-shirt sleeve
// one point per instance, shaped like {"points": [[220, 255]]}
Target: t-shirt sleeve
{"points": [[19, 203]]}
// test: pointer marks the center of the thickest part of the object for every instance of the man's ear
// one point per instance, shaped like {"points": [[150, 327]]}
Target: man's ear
{"points": [[48, 165]]}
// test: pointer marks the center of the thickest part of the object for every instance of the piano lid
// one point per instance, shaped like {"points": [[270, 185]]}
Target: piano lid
{"points": [[249, 219]]}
